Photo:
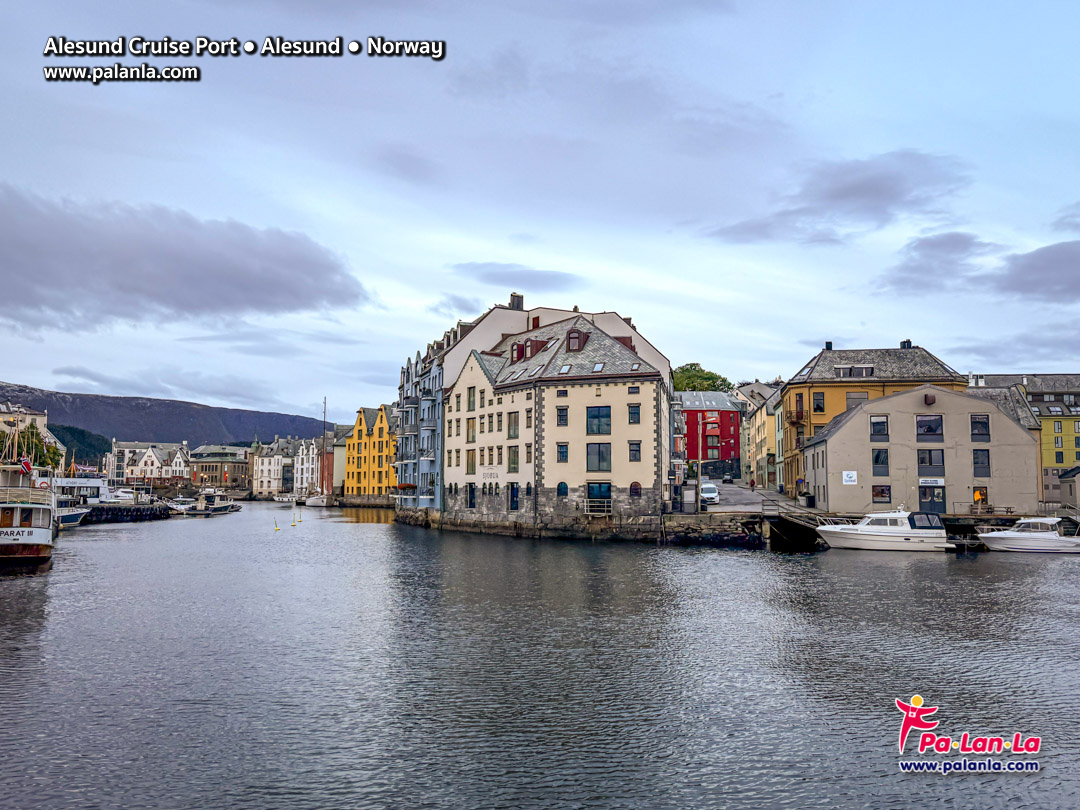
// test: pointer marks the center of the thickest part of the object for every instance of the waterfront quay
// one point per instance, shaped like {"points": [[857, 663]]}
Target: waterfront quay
{"points": [[351, 661]]}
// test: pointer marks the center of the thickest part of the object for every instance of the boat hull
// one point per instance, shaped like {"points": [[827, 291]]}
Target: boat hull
{"points": [[318, 500], [881, 541], [25, 549], [69, 520], [1037, 544]]}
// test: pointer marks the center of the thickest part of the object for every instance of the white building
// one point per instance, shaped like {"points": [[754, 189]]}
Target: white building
{"points": [[148, 462], [306, 465], [273, 466]]}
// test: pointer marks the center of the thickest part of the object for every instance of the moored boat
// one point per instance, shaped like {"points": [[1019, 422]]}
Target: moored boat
{"points": [[27, 521], [69, 512], [1040, 535], [889, 531], [210, 503]]}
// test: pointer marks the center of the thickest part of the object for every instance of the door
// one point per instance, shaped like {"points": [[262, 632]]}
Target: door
{"points": [[513, 497], [932, 499], [471, 488], [601, 492]]}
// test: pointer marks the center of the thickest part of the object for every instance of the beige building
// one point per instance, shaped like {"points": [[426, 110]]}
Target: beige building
{"points": [[760, 428], [929, 449], [554, 426]]}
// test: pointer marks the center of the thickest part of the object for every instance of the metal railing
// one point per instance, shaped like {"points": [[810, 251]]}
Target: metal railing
{"points": [[427, 393], [428, 424], [405, 455], [427, 454], [407, 430], [410, 402], [598, 506], [426, 492], [40, 497]]}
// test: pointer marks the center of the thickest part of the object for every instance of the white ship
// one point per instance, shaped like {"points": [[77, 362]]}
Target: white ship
{"points": [[1038, 534], [27, 520], [889, 531]]}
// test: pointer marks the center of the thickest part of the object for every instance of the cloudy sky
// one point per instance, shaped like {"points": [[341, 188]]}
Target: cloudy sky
{"points": [[745, 179]]}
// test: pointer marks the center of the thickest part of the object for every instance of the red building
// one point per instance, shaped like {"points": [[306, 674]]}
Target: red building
{"points": [[713, 420]]}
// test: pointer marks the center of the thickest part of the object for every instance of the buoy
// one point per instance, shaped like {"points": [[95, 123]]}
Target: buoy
{"points": [[294, 518], [301, 516], [276, 527]]}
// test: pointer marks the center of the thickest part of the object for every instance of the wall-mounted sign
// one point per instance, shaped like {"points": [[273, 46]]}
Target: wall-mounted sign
{"points": [[489, 472], [931, 482], [851, 477]]}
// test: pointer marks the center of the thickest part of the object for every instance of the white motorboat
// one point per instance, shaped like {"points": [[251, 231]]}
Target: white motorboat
{"points": [[286, 498], [211, 502], [1037, 534], [889, 531]]}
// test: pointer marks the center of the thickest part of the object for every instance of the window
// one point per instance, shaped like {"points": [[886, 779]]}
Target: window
{"points": [[498, 424], [564, 370], [470, 462], [512, 425], [470, 429], [482, 393], [928, 428], [931, 462], [1059, 441], [481, 456], [635, 366], [483, 422], [598, 458], [528, 454], [856, 398], [712, 441], [500, 455], [634, 389], [1057, 427], [879, 428], [528, 417], [562, 490], [880, 461], [981, 460], [562, 416], [635, 414], [980, 427], [562, 453], [597, 367], [1055, 410], [819, 402], [457, 402], [712, 452], [561, 393], [457, 458], [854, 371], [635, 451], [635, 490], [512, 458], [881, 494], [1059, 458], [598, 420], [574, 341]]}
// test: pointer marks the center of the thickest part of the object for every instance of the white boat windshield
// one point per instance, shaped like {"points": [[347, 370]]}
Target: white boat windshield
{"points": [[925, 520]]}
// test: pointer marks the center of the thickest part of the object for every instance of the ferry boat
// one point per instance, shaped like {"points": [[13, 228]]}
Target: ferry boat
{"points": [[1043, 535], [889, 531], [27, 520]]}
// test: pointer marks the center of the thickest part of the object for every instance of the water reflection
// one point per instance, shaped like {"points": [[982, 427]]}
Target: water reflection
{"points": [[348, 661]]}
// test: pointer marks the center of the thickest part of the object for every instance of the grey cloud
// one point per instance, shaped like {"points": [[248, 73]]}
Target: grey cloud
{"points": [[451, 305], [272, 342], [405, 163], [1068, 218], [839, 198], [1050, 273], [518, 276], [1018, 352], [173, 383], [85, 264], [936, 262]]}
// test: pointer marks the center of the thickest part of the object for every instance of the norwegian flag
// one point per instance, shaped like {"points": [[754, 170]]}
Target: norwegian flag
{"points": [[26, 466]]}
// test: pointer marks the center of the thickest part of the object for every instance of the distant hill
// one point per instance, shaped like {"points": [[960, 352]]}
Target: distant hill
{"points": [[159, 420], [82, 445]]}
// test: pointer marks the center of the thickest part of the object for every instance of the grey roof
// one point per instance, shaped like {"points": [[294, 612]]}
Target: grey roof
{"points": [[1072, 472], [600, 347], [218, 450], [706, 400], [756, 391], [1011, 400], [772, 402], [915, 363], [281, 447], [1035, 383]]}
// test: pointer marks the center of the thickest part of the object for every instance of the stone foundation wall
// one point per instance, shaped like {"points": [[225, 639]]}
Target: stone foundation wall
{"points": [[379, 501]]}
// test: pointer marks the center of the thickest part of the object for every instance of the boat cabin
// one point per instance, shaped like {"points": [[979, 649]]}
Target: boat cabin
{"points": [[912, 520]]}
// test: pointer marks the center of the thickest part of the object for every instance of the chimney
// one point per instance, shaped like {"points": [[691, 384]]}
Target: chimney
{"points": [[1025, 379], [576, 308], [517, 301], [828, 345], [629, 322], [905, 344]]}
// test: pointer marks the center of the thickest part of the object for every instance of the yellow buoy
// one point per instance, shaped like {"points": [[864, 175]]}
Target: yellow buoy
{"points": [[294, 518], [301, 516], [276, 527]]}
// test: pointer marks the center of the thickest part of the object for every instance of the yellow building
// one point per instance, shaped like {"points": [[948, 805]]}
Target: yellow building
{"points": [[370, 454], [838, 379], [760, 428], [1055, 399]]}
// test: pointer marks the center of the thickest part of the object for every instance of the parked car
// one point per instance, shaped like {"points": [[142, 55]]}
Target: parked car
{"points": [[709, 494], [727, 479]]}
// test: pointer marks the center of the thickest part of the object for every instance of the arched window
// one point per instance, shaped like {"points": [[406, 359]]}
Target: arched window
{"points": [[496, 489], [573, 340], [635, 490], [562, 490], [528, 489], [483, 489]]}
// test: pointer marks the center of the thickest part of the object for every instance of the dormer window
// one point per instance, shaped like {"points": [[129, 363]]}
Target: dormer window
{"points": [[574, 340], [854, 371], [597, 367], [635, 366]]}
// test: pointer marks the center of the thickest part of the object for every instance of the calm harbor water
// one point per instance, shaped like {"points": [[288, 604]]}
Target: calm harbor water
{"points": [[349, 662]]}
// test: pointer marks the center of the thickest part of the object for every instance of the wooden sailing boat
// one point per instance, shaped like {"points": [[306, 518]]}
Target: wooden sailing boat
{"points": [[322, 497]]}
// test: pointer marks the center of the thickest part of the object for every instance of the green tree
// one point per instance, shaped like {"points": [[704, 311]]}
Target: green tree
{"points": [[692, 377], [33, 445]]}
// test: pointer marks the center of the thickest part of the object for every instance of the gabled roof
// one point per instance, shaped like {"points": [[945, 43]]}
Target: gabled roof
{"points": [[599, 348], [1011, 400], [1036, 383], [915, 363], [756, 391]]}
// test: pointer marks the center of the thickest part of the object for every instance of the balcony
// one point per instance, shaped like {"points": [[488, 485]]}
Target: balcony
{"points": [[799, 440], [405, 456], [427, 454], [796, 417], [428, 395], [426, 492], [678, 456], [410, 402], [407, 430], [428, 424], [598, 506]]}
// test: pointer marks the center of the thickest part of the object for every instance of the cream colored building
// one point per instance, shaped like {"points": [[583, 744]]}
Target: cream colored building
{"points": [[554, 426], [928, 449], [760, 427]]}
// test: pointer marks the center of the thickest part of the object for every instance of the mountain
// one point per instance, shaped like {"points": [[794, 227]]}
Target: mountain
{"points": [[82, 445], [159, 420]]}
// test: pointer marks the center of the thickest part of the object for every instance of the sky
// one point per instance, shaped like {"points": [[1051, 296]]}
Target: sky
{"points": [[744, 179]]}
